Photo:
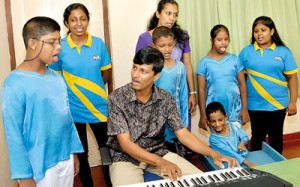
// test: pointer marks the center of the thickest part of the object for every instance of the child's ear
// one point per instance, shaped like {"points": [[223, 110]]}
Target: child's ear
{"points": [[32, 43]]}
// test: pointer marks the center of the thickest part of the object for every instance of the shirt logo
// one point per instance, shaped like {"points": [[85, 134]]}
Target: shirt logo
{"points": [[96, 57], [278, 58]]}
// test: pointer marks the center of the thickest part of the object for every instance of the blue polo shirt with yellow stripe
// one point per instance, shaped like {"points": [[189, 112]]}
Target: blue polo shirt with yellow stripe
{"points": [[81, 68], [266, 81]]}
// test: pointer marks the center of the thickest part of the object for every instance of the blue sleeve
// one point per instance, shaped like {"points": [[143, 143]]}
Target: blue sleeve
{"points": [[220, 145], [242, 58], [242, 135], [289, 62], [201, 68], [183, 96], [239, 65], [105, 58], [13, 113]]}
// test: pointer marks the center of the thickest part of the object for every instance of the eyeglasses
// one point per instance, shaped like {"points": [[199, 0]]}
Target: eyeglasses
{"points": [[53, 44]]}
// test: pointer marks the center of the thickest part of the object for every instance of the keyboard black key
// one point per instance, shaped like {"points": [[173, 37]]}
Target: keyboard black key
{"points": [[204, 181], [234, 176], [194, 182], [198, 180], [223, 176], [227, 175], [210, 178], [240, 173], [180, 183], [216, 178], [245, 172], [186, 183]]}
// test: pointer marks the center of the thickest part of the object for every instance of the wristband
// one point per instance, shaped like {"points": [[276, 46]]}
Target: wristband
{"points": [[194, 92]]}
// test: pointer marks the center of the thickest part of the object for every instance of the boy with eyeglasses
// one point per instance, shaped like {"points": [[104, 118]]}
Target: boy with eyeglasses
{"points": [[40, 133]]}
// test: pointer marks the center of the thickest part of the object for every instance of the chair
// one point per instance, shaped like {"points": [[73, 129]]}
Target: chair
{"points": [[182, 150], [265, 156], [106, 161]]}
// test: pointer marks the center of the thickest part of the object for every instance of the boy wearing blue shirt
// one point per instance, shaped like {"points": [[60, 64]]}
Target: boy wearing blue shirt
{"points": [[40, 133], [226, 137], [172, 78]]}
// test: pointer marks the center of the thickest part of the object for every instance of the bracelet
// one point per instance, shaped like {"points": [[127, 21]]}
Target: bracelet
{"points": [[194, 92]]}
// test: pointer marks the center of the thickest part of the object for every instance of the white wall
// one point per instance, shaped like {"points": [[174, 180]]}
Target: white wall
{"points": [[128, 19]]}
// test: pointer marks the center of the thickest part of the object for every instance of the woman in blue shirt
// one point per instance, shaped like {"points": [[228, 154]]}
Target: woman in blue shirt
{"points": [[86, 67], [272, 83]]}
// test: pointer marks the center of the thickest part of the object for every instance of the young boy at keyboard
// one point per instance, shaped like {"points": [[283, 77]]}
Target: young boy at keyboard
{"points": [[226, 137]]}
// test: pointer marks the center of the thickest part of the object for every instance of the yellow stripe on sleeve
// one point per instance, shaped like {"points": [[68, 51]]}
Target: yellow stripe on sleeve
{"points": [[291, 72], [105, 67]]}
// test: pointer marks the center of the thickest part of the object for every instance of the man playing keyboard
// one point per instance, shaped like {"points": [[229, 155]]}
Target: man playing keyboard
{"points": [[138, 112]]}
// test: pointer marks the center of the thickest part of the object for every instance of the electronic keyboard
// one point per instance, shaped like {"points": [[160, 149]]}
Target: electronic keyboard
{"points": [[236, 177]]}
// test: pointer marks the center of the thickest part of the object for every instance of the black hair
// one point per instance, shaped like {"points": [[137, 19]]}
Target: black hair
{"points": [[37, 27], [214, 107], [267, 21], [216, 29], [74, 6], [180, 35], [162, 31], [150, 55]]}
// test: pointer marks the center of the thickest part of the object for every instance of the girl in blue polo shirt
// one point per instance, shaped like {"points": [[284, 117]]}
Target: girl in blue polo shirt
{"points": [[221, 78], [86, 67], [271, 82]]}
